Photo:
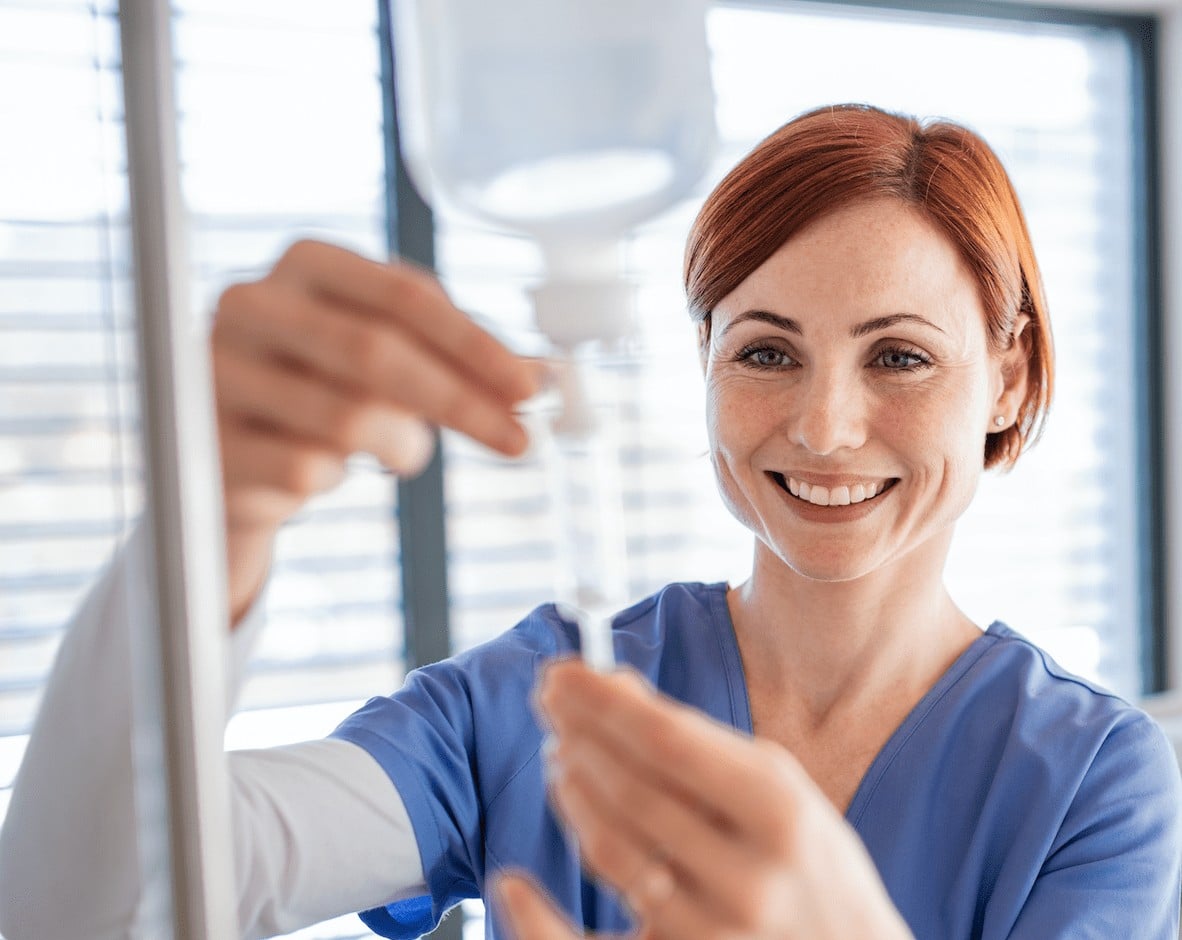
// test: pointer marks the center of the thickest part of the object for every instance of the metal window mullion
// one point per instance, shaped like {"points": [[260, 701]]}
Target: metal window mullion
{"points": [[422, 535], [185, 531]]}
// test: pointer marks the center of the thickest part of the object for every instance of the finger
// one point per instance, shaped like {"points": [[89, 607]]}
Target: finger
{"points": [[268, 477], [621, 803], [632, 868], [293, 402], [383, 363], [661, 899], [416, 301], [743, 781], [528, 912]]}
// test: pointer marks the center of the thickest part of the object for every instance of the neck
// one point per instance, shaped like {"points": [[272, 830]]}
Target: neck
{"points": [[821, 646]]}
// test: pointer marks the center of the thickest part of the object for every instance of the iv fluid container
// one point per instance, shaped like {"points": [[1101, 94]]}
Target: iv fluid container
{"points": [[570, 121]]}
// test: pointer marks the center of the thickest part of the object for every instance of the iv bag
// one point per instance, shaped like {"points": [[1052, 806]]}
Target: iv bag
{"points": [[554, 117], [569, 121]]}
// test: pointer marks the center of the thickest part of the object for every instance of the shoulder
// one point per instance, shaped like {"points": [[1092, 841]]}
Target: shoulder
{"points": [[1056, 799], [471, 713], [1081, 736], [499, 674], [1019, 677], [1009, 726], [1104, 774]]}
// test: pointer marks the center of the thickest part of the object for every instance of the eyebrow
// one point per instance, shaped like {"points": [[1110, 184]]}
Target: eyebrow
{"points": [[788, 325]]}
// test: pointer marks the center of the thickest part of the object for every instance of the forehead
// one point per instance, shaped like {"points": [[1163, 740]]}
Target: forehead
{"points": [[864, 260]]}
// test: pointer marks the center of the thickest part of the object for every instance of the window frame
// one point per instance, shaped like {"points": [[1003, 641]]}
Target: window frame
{"points": [[1160, 646], [411, 233]]}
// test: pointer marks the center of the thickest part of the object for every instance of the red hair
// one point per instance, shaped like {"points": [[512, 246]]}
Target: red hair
{"points": [[834, 156]]}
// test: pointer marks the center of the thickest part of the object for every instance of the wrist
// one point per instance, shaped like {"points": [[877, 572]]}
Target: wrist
{"points": [[249, 554]]}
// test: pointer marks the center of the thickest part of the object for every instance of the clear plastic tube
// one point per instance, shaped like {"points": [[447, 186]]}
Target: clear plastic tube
{"points": [[585, 489]]}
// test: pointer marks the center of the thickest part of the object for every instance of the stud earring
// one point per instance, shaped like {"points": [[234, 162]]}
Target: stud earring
{"points": [[999, 420]]}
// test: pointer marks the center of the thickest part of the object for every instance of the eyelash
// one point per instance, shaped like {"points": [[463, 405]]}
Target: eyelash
{"points": [[921, 361], [747, 354]]}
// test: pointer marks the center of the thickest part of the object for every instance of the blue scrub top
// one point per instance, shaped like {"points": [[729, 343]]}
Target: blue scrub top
{"points": [[1015, 800]]}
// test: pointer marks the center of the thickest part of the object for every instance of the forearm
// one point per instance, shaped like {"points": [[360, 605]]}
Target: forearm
{"points": [[319, 830], [69, 857]]}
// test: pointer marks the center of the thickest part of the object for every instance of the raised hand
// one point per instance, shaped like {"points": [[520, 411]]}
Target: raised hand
{"points": [[331, 354]]}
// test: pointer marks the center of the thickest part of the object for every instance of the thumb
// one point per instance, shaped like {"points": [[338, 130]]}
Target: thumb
{"points": [[528, 913]]}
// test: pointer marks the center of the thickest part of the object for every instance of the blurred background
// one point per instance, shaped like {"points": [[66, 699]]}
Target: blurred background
{"points": [[286, 131]]}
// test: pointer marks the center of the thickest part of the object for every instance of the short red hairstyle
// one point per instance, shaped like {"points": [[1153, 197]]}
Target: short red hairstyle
{"points": [[834, 156]]}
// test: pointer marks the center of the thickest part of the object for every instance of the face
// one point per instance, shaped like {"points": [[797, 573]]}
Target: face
{"points": [[849, 391]]}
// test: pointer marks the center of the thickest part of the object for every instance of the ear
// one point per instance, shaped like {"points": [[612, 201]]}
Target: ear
{"points": [[1013, 374]]}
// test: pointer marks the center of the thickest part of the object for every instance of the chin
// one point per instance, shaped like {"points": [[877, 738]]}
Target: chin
{"points": [[831, 573], [829, 567]]}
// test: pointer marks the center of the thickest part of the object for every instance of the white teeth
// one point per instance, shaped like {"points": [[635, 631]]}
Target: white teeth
{"points": [[837, 496]]}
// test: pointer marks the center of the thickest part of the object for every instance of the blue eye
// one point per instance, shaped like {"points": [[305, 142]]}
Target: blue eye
{"points": [[902, 360], [765, 357]]}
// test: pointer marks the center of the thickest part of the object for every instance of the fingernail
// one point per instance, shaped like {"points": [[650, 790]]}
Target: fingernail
{"points": [[554, 770], [553, 767], [419, 448], [515, 439], [549, 747]]}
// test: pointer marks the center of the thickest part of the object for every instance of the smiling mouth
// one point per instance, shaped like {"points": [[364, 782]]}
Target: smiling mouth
{"points": [[832, 496]]}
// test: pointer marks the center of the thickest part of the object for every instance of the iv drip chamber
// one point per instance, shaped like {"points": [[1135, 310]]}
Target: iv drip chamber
{"points": [[587, 493]]}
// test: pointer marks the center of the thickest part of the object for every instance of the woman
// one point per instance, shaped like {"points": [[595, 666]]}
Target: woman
{"points": [[872, 336]]}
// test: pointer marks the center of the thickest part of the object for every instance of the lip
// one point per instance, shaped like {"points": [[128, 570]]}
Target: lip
{"points": [[830, 514]]}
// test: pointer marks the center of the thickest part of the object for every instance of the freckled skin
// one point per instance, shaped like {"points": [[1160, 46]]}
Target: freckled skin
{"points": [[829, 403]]}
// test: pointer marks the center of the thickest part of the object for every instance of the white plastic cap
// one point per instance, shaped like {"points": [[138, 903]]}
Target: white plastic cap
{"points": [[571, 312]]}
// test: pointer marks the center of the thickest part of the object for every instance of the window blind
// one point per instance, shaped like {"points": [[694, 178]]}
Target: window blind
{"points": [[280, 115], [281, 138], [69, 479]]}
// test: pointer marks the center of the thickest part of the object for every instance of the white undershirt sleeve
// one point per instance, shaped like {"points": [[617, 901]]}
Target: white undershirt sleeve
{"points": [[319, 829]]}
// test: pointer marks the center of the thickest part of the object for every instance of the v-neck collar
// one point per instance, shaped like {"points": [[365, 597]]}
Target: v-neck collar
{"points": [[736, 680]]}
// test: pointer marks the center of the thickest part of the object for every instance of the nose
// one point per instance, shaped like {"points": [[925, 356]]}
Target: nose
{"points": [[830, 414]]}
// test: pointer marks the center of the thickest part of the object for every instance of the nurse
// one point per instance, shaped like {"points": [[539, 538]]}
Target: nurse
{"points": [[829, 750]]}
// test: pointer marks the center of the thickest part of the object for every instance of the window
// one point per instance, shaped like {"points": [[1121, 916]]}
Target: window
{"points": [[273, 150]]}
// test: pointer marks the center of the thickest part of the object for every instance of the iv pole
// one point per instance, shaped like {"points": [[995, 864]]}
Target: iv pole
{"points": [[184, 501]]}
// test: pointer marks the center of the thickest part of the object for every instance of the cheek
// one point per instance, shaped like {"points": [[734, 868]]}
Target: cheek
{"points": [[946, 442], [731, 437], [728, 417], [942, 424]]}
